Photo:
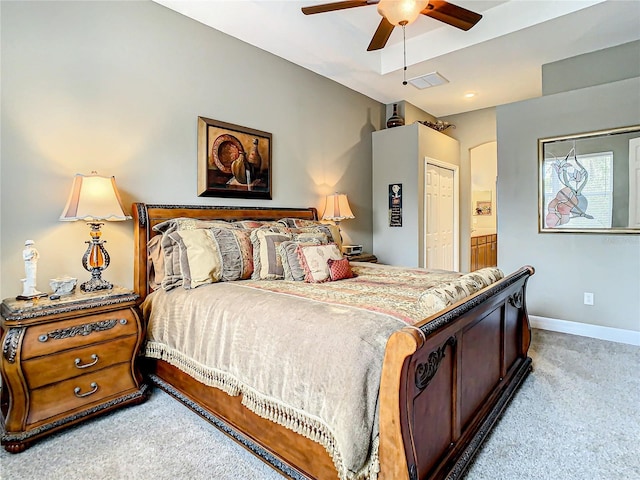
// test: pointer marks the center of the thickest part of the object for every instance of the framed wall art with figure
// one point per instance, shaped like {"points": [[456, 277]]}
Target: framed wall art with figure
{"points": [[589, 182]]}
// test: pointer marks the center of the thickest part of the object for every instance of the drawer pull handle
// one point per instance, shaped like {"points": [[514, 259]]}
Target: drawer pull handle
{"points": [[94, 357], [94, 389]]}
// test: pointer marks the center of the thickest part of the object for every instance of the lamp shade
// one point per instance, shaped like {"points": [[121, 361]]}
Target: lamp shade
{"points": [[337, 208], [93, 198], [401, 12]]}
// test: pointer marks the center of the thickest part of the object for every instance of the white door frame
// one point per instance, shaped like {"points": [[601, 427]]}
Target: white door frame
{"points": [[634, 184], [456, 210]]}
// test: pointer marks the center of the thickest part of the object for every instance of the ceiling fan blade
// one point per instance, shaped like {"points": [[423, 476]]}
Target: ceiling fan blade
{"points": [[330, 7], [451, 14], [381, 36]]}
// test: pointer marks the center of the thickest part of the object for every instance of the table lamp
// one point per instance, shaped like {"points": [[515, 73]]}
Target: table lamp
{"points": [[94, 199], [337, 208]]}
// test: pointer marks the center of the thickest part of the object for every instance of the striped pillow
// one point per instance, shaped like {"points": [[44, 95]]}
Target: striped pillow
{"points": [[267, 262]]}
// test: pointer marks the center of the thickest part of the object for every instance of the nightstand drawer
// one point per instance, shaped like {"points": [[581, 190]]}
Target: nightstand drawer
{"points": [[79, 361], [52, 338], [79, 393]]}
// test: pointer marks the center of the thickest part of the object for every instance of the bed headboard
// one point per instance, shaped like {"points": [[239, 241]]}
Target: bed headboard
{"points": [[146, 216]]}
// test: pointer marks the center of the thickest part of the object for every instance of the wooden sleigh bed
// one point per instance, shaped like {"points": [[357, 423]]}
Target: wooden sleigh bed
{"points": [[444, 381]]}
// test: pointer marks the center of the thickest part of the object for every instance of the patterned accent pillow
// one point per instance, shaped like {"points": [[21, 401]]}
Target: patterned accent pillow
{"points": [[291, 266], [298, 222], [314, 259], [334, 233], [329, 228], [183, 223], [210, 255], [445, 294], [251, 224], [267, 262], [311, 237], [485, 276], [236, 252], [339, 269]]}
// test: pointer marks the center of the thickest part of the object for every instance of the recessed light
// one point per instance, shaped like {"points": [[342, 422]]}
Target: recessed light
{"points": [[469, 94]]}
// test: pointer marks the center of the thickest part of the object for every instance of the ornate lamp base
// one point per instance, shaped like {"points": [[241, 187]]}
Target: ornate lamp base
{"points": [[96, 283], [95, 260]]}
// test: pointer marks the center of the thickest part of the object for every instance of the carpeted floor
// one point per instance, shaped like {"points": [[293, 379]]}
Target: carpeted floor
{"points": [[577, 417]]}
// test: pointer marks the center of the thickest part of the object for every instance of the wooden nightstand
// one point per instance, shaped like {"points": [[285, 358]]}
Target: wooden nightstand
{"points": [[363, 257], [67, 360]]}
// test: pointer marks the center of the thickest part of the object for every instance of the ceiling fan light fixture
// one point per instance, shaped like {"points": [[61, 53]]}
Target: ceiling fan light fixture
{"points": [[401, 12]]}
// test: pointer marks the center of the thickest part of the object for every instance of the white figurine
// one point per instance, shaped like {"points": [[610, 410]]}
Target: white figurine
{"points": [[30, 256]]}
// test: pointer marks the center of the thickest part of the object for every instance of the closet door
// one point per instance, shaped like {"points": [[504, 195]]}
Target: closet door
{"points": [[440, 217]]}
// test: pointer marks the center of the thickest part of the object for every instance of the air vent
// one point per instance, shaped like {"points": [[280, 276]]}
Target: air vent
{"points": [[429, 80]]}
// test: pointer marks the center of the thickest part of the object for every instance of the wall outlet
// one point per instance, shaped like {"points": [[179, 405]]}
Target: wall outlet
{"points": [[588, 298]]}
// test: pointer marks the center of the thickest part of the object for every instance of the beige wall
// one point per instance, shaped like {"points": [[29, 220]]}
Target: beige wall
{"points": [[117, 87]]}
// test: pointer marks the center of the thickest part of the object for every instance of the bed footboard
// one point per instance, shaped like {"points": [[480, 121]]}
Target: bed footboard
{"points": [[446, 381]]}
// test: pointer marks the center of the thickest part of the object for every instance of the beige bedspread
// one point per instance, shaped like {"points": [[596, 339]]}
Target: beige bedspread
{"points": [[308, 361]]}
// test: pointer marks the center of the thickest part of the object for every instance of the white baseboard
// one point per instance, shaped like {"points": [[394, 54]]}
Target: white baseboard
{"points": [[619, 335]]}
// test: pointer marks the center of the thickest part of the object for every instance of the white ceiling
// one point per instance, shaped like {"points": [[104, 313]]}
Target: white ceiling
{"points": [[499, 59]]}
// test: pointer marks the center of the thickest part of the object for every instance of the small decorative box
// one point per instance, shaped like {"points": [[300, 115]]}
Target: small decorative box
{"points": [[63, 285]]}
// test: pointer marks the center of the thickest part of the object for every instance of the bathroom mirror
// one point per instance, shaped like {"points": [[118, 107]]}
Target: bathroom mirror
{"points": [[590, 182]]}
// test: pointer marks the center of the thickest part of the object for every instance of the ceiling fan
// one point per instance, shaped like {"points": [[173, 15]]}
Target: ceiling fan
{"points": [[403, 12]]}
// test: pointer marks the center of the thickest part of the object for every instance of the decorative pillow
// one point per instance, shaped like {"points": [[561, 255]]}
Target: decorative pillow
{"points": [[314, 259], [298, 222], [236, 252], [267, 262], [200, 260], [310, 237], [252, 224], [445, 294], [183, 223], [484, 277], [155, 257], [339, 269], [331, 231], [172, 272], [291, 266], [334, 232]]}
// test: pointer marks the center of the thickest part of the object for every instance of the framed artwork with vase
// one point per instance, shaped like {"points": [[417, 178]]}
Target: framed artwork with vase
{"points": [[233, 161]]}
